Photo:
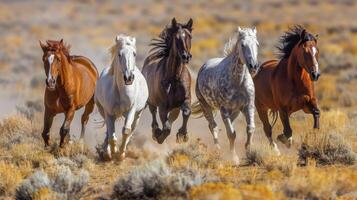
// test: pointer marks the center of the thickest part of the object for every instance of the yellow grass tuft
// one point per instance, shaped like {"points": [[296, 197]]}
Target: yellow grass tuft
{"points": [[221, 191], [10, 178]]}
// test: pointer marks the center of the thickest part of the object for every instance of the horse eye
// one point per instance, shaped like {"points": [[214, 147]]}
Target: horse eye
{"points": [[134, 54]]}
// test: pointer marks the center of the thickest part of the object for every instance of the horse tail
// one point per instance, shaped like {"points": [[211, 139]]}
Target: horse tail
{"points": [[196, 110], [274, 115]]}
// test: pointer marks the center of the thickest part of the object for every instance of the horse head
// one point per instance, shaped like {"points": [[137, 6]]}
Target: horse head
{"points": [[247, 47], [181, 39], [52, 59], [127, 56], [308, 54]]}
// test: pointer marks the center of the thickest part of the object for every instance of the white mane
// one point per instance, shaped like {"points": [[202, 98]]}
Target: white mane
{"points": [[230, 46], [120, 42]]}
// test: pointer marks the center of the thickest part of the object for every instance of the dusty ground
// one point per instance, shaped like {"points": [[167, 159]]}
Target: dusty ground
{"points": [[90, 28]]}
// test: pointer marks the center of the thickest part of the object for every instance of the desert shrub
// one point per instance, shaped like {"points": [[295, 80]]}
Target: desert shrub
{"points": [[156, 180], [194, 154], [257, 191], [29, 187], [320, 183], [16, 129], [263, 156], [208, 191], [63, 185], [10, 177], [326, 149]]}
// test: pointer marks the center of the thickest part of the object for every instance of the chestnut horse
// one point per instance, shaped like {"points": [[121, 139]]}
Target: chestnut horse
{"points": [[70, 85], [285, 86], [169, 80]]}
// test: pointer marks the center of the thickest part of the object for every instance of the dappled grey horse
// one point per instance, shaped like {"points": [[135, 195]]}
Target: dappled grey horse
{"points": [[226, 84]]}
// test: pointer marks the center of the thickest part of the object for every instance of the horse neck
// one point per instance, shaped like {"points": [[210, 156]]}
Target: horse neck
{"points": [[296, 73], [236, 69], [66, 71], [174, 65]]}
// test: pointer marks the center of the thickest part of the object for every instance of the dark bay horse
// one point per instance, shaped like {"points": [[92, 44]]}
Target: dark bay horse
{"points": [[169, 80], [287, 85], [70, 85]]}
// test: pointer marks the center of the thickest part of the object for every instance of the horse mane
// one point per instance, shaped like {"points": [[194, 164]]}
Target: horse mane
{"points": [[162, 44], [113, 50], [290, 39], [53, 45]]}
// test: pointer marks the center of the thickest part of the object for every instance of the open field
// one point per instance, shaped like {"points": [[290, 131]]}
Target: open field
{"points": [[322, 164]]}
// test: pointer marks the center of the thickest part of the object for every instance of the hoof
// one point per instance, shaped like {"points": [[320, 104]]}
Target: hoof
{"points": [[275, 149], [163, 136], [287, 141], [156, 134], [181, 137], [112, 146], [235, 160], [107, 156], [247, 146]]}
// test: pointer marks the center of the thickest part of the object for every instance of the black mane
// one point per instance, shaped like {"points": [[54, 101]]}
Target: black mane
{"points": [[290, 39], [162, 44]]}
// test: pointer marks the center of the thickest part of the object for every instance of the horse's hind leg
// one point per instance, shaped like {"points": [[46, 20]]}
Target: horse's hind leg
{"points": [[84, 120], [47, 123], [208, 113], [263, 115], [154, 125], [286, 137], [230, 133], [249, 117]]}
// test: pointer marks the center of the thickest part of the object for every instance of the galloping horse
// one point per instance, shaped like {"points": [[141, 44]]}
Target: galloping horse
{"points": [[70, 85], [286, 86], [169, 80], [226, 84], [121, 91]]}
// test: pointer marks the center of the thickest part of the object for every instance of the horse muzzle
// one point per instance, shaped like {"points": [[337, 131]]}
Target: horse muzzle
{"points": [[128, 80], [51, 84], [186, 57], [315, 76]]}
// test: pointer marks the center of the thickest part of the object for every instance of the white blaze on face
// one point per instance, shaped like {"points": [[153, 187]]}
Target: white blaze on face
{"points": [[50, 61], [316, 64]]}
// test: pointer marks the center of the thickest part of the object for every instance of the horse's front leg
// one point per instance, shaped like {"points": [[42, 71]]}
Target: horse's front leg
{"points": [[231, 133], [47, 123], [64, 132], [166, 129], [249, 117], [110, 140], [315, 112], [127, 131], [186, 112]]}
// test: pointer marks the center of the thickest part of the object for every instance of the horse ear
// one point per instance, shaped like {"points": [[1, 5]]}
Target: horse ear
{"points": [[43, 46], [133, 40], [239, 29], [189, 24], [255, 30], [61, 42], [173, 22]]}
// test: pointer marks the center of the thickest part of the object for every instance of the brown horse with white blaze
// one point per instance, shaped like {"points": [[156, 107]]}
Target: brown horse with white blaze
{"points": [[287, 85], [70, 85]]}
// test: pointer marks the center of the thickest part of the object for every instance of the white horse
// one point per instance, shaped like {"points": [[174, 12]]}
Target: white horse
{"points": [[226, 84], [121, 91]]}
